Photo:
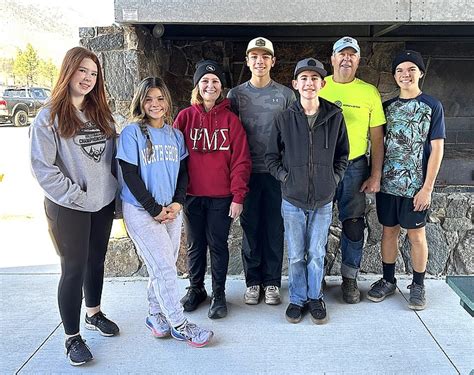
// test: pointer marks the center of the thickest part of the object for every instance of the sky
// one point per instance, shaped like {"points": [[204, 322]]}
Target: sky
{"points": [[51, 26], [95, 12]]}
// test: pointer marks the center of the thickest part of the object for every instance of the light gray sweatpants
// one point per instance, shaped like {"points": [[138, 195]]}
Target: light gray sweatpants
{"points": [[158, 245]]}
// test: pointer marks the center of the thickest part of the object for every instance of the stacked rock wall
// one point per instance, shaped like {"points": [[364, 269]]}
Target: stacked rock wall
{"points": [[129, 54]]}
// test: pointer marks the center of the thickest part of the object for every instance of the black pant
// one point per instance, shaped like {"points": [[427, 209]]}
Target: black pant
{"points": [[81, 240], [262, 224], [207, 223]]}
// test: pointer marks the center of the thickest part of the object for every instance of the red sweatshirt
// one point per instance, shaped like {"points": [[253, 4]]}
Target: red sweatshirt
{"points": [[219, 158]]}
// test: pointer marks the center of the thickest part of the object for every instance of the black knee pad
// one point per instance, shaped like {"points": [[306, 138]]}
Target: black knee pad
{"points": [[354, 229]]}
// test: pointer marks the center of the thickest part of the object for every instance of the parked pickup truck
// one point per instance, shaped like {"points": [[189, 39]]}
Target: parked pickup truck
{"points": [[19, 103]]}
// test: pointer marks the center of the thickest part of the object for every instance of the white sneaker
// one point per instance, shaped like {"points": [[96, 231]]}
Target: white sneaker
{"points": [[195, 336], [252, 295], [272, 295], [158, 325]]}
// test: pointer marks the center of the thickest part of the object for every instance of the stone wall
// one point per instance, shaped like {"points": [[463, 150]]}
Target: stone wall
{"points": [[129, 54], [450, 235]]}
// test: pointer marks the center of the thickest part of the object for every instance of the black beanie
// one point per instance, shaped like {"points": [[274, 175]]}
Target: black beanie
{"points": [[408, 55], [208, 66]]}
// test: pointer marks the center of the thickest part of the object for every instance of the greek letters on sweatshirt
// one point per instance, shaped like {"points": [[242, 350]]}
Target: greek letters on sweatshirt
{"points": [[219, 159], [73, 172]]}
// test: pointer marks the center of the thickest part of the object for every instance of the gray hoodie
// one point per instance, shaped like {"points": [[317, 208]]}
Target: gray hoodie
{"points": [[73, 172]]}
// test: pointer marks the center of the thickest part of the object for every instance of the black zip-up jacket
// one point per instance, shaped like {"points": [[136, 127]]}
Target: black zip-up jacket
{"points": [[309, 163]]}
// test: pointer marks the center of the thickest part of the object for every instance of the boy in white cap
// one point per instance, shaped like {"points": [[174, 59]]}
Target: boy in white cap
{"points": [[307, 152], [363, 113], [257, 102], [414, 144]]}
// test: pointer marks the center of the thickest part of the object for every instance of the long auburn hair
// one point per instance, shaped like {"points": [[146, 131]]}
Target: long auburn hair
{"points": [[95, 102], [137, 109]]}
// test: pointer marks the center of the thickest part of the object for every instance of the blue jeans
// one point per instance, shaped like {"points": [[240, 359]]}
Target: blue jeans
{"points": [[351, 205], [306, 233]]}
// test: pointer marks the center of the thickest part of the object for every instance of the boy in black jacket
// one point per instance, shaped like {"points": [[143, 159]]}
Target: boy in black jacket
{"points": [[307, 152]]}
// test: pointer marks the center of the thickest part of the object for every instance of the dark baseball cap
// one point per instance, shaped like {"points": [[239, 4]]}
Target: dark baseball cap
{"points": [[312, 65]]}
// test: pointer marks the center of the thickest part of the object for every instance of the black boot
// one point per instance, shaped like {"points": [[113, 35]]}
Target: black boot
{"points": [[193, 298], [218, 308]]}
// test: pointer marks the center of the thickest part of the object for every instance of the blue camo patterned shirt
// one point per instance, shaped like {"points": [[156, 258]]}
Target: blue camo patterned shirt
{"points": [[411, 125]]}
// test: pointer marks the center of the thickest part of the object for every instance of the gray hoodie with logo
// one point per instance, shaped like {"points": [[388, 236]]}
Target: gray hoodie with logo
{"points": [[73, 172]]}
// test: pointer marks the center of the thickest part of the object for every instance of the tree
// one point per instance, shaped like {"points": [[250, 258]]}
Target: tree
{"points": [[6, 69], [26, 64], [48, 71]]}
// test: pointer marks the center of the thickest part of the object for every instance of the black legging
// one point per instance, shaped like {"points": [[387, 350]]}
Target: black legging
{"points": [[81, 240]]}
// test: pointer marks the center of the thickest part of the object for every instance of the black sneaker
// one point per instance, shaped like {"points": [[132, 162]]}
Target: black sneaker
{"points": [[98, 322], [350, 292], [294, 313], [218, 307], [417, 299], [194, 297], [77, 351], [317, 309], [381, 289]]}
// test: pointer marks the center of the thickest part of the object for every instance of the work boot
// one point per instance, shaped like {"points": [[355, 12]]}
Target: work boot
{"points": [[350, 292]]}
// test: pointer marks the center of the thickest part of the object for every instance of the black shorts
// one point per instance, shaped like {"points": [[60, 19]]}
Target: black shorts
{"points": [[393, 210]]}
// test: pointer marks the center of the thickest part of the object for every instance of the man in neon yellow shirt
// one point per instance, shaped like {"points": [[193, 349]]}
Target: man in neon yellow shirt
{"points": [[363, 113]]}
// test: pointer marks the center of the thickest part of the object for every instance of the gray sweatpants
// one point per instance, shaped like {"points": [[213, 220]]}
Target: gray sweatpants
{"points": [[158, 246]]}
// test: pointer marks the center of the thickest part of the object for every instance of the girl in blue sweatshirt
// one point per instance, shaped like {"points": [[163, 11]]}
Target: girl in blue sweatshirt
{"points": [[152, 157]]}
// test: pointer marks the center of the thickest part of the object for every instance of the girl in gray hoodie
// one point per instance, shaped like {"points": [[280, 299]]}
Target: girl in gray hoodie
{"points": [[71, 149]]}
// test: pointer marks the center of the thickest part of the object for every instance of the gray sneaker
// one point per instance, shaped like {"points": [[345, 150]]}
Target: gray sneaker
{"points": [[195, 336], [381, 289], [272, 295], [252, 295], [417, 299], [350, 291], [158, 325]]}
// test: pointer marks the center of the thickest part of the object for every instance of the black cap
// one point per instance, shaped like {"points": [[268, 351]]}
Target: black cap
{"points": [[408, 55], [208, 66], [310, 64]]}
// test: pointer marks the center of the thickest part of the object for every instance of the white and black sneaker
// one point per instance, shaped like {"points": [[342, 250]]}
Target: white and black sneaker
{"points": [[100, 323], [77, 351]]}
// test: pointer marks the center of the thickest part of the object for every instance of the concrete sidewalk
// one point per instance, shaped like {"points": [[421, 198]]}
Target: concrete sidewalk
{"points": [[367, 338]]}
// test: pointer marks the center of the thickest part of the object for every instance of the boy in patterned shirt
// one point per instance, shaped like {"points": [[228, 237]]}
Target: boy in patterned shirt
{"points": [[414, 142]]}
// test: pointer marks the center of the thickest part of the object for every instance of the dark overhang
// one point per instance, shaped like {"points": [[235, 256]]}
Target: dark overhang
{"points": [[382, 20]]}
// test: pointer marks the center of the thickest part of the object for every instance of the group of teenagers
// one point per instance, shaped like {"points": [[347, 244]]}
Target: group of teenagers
{"points": [[260, 154]]}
